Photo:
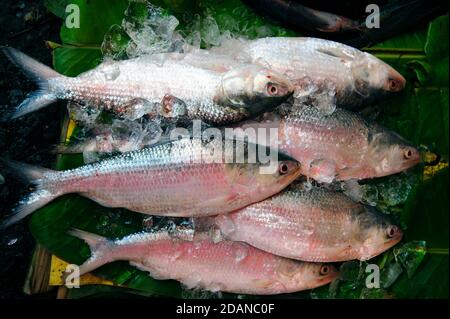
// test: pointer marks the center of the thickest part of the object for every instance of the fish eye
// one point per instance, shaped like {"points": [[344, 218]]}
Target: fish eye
{"points": [[324, 270], [391, 231], [272, 89], [283, 168], [393, 85], [408, 154]]}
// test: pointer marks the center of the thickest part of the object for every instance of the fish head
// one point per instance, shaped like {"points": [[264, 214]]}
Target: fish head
{"points": [[377, 233], [264, 178], [306, 274], [255, 88], [373, 77], [389, 153], [278, 174]]}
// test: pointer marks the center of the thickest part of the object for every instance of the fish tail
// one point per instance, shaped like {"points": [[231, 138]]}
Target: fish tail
{"points": [[28, 174], [99, 246], [37, 71]]}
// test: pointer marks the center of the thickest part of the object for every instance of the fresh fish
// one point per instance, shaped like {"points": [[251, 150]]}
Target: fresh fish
{"points": [[358, 77], [339, 146], [187, 177], [135, 87], [315, 225], [225, 266]]}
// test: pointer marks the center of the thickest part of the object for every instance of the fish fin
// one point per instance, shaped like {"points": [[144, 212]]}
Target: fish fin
{"points": [[139, 265], [29, 174], [154, 273], [37, 71], [218, 201], [349, 173], [99, 247], [264, 283], [228, 200], [323, 170], [337, 53], [94, 241], [28, 205]]}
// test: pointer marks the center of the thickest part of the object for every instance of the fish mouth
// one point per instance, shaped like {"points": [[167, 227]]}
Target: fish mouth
{"points": [[414, 161], [413, 158], [394, 240], [396, 82], [387, 245], [297, 172], [331, 276]]}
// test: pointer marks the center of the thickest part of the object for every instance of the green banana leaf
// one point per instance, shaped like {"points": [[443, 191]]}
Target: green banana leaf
{"points": [[418, 267]]}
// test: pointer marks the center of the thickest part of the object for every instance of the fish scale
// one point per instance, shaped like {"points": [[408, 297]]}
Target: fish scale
{"points": [[343, 134], [181, 178], [224, 266], [159, 84], [357, 77], [339, 146], [315, 225], [146, 79], [325, 65]]}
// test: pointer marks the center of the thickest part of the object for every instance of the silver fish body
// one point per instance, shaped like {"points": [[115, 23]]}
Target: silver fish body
{"points": [[136, 86], [149, 84], [339, 146], [225, 266], [357, 76], [315, 225], [182, 178]]}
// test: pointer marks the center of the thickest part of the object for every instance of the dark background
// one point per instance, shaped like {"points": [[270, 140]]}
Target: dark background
{"points": [[24, 25]]}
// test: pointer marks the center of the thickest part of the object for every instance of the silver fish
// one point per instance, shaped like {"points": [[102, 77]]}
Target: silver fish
{"points": [[225, 266], [340, 146], [315, 225], [183, 178], [135, 87], [358, 76]]}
